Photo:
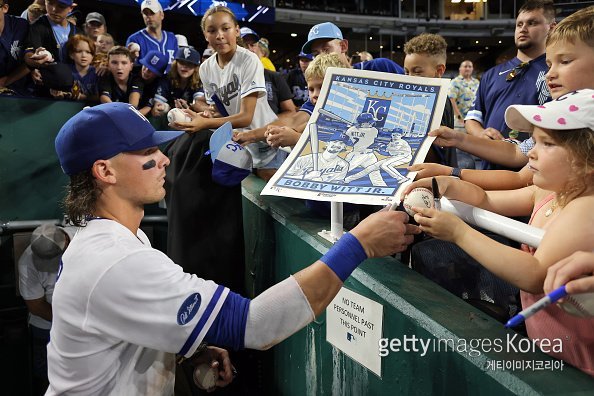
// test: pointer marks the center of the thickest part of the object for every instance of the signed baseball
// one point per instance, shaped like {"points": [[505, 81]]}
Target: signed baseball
{"points": [[419, 197], [206, 376], [177, 115], [46, 54]]}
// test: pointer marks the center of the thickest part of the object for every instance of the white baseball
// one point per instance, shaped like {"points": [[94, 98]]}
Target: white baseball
{"points": [[177, 115], [206, 376], [46, 54], [134, 47], [420, 197]]}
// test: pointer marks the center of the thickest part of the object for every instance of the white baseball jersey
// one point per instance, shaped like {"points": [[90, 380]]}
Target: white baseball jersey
{"points": [[242, 76], [122, 310], [35, 283], [361, 137]]}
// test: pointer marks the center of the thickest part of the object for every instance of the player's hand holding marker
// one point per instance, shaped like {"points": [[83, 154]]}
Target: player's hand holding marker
{"points": [[439, 224]]}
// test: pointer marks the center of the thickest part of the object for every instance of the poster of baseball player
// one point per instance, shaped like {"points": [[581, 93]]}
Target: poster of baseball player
{"points": [[366, 129]]}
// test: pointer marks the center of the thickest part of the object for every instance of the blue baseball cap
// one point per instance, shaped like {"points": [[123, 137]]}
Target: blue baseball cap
{"points": [[188, 54], [155, 62], [326, 30], [66, 2], [231, 162], [306, 56], [246, 31], [104, 131]]}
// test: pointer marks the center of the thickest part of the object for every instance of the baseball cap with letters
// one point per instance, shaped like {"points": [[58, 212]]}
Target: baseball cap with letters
{"points": [[152, 5], [574, 110], [104, 131], [231, 162], [188, 54], [326, 30], [155, 62]]}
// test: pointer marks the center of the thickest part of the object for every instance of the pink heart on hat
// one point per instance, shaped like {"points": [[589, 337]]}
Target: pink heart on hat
{"points": [[537, 118], [573, 108], [562, 121], [541, 107]]}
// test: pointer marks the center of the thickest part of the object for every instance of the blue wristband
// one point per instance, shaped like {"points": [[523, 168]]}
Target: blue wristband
{"points": [[345, 256]]}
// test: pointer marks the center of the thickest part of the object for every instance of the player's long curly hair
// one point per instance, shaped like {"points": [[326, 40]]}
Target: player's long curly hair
{"points": [[81, 197], [580, 145]]}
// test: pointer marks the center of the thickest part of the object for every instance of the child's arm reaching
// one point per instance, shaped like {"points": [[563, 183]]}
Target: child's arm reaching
{"points": [[507, 203], [515, 266]]}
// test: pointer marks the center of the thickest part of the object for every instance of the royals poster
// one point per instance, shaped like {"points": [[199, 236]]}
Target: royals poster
{"points": [[366, 129]]}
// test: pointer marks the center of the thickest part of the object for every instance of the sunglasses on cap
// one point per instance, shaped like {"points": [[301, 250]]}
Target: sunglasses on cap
{"points": [[516, 71]]}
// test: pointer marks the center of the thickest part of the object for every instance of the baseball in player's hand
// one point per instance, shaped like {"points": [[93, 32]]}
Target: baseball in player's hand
{"points": [[385, 233], [429, 169], [219, 359]]}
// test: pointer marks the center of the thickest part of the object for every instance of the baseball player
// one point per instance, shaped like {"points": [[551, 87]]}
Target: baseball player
{"points": [[363, 135], [399, 152], [123, 310], [330, 167]]}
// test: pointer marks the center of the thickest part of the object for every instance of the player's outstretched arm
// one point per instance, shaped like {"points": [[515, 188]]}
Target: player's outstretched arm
{"points": [[291, 304]]}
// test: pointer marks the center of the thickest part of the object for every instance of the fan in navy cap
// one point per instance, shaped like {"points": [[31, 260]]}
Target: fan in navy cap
{"points": [[188, 54]]}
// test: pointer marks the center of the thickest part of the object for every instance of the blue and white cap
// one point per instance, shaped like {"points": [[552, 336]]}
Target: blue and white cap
{"points": [[326, 30], [246, 31], [231, 162]]}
